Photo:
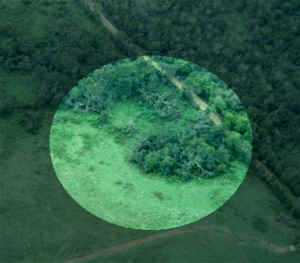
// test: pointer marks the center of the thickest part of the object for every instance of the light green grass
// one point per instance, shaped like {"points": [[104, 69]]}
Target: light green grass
{"points": [[91, 164]]}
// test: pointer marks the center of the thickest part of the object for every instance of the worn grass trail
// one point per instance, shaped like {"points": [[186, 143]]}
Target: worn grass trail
{"points": [[239, 239]]}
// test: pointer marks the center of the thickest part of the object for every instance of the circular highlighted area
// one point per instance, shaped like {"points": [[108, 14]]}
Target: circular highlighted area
{"points": [[151, 143]]}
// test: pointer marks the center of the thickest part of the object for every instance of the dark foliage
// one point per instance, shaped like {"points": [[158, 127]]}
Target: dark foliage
{"points": [[184, 158], [192, 145]]}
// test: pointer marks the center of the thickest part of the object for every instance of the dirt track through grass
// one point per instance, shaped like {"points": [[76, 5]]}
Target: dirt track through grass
{"points": [[240, 240]]}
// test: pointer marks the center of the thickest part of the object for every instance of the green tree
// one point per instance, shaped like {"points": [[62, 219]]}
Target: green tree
{"points": [[232, 141], [241, 123], [151, 161], [203, 83]]}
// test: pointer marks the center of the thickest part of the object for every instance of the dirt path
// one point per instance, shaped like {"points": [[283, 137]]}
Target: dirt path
{"points": [[240, 240], [126, 246]]}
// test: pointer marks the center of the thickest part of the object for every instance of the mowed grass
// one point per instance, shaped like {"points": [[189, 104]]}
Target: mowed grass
{"points": [[90, 162]]}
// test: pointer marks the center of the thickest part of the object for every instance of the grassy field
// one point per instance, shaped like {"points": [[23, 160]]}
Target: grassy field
{"points": [[91, 164], [41, 223]]}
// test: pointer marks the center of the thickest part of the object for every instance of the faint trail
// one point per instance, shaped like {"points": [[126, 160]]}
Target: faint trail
{"points": [[128, 245], [139, 51], [240, 240], [279, 249]]}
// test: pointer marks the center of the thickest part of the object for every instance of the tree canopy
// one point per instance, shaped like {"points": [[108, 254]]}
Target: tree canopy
{"points": [[190, 144]]}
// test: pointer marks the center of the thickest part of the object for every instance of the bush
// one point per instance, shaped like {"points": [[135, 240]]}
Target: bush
{"points": [[203, 83], [151, 161], [103, 117], [129, 128], [241, 123], [171, 155]]}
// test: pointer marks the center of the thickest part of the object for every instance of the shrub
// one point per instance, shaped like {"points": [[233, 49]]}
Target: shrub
{"points": [[129, 127]]}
